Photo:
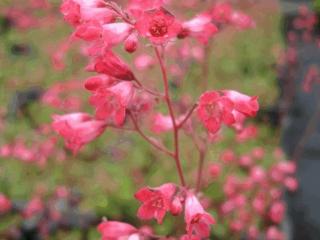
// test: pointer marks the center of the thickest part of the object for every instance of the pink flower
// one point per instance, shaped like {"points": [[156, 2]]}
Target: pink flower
{"points": [[158, 25], [221, 12], [291, 184], [35, 206], [131, 43], [249, 132], [115, 33], [88, 31], [213, 110], [273, 233], [215, 170], [137, 7], [199, 27], [5, 204], [163, 123], [71, 11], [96, 82], [277, 211], [112, 65], [241, 20], [198, 221], [227, 156], [258, 174], [242, 103], [77, 129], [111, 102], [155, 201], [112, 230]]}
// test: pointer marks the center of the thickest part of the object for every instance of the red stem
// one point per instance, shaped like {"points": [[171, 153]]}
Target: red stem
{"points": [[153, 143], [173, 119], [180, 125]]}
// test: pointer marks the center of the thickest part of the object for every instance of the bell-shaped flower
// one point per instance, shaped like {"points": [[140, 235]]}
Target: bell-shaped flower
{"points": [[197, 219], [213, 110], [113, 230], [77, 129], [155, 201], [112, 65], [111, 102]]}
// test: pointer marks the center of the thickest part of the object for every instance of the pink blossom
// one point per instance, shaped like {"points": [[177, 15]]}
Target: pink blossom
{"points": [[199, 27], [176, 206], [71, 11], [35, 206], [215, 170], [5, 204], [77, 129], [277, 211], [116, 33], [227, 156], [197, 219], [243, 103], [273, 233], [249, 132], [241, 20], [155, 201], [111, 102], [158, 25], [112, 65], [131, 43], [213, 110], [96, 82], [257, 174], [221, 12], [112, 230], [163, 123], [291, 184], [253, 233], [88, 31], [137, 7]]}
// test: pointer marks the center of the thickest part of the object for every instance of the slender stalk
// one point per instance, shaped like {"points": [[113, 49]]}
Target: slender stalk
{"points": [[173, 119], [180, 125], [149, 140]]}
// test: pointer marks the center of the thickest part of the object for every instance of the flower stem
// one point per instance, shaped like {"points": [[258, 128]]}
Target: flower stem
{"points": [[173, 119], [149, 140]]}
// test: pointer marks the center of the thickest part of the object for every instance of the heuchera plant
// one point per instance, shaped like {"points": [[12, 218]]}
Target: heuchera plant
{"points": [[123, 98]]}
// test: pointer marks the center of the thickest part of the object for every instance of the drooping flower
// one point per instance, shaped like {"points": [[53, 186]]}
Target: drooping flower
{"points": [[197, 219], [243, 103], [112, 65], [199, 27], [155, 201], [213, 110], [111, 102], [96, 82], [158, 25], [77, 129], [113, 230]]}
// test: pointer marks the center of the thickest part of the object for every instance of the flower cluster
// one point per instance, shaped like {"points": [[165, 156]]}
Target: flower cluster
{"points": [[126, 99]]}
